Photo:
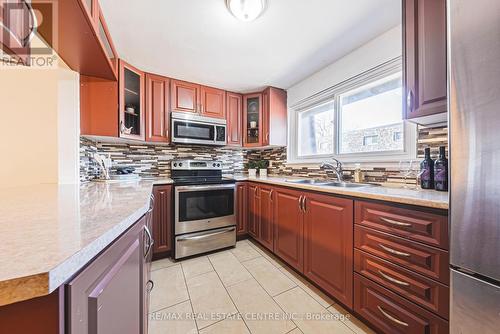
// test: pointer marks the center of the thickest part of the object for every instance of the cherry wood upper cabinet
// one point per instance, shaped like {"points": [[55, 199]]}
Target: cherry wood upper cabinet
{"points": [[162, 221], [157, 106], [234, 105], [15, 25], [424, 40], [328, 244], [288, 227], [131, 102], [83, 40], [241, 208], [186, 96], [253, 210], [266, 214], [98, 107], [265, 118], [213, 102]]}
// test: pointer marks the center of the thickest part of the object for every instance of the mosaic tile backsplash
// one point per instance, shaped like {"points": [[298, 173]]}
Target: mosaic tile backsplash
{"points": [[154, 160]]}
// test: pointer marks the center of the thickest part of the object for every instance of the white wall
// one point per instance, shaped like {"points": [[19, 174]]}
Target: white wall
{"points": [[377, 51], [39, 125]]}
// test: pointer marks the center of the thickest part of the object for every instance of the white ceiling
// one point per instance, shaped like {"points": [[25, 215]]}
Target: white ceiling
{"points": [[200, 41]]}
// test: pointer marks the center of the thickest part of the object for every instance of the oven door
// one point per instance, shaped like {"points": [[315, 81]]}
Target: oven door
{"points": [[193, 132], [199, 208]]}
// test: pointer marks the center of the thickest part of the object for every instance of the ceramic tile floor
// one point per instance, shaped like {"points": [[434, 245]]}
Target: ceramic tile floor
{"points": [[241, 290]]}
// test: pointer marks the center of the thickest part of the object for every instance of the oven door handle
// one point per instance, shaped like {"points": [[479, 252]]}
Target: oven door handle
{"points": [[206, 187], [198, 237]]}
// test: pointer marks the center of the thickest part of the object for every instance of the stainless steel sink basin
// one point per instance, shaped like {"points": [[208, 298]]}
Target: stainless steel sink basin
{"points": [[308, 181], [327, 183]]}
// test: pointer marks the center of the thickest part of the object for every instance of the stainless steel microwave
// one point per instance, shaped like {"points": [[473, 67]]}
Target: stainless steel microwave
{"points": [[194, 129]]}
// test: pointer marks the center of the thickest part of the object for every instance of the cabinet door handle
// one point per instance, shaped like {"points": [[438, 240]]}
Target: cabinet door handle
{"points": [[271, 195], [301, 203], [395, 222], [267, 137], [150, 241], [304, 204], [392, 279], [150, 285], [409, 101], [390, 317], [393, 251]]}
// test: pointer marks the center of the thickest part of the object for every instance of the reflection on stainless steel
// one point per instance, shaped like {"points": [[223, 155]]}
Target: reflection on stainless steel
{"points": [[474, 51], [196, 243]]}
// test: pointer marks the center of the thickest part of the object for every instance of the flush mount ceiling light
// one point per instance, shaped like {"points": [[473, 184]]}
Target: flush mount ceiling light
{"points": [[246, 10]]}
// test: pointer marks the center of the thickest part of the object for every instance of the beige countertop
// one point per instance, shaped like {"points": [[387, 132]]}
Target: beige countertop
{"points": [[426, 198], [49, 232]]}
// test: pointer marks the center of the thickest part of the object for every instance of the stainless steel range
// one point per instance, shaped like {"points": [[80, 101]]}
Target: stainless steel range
{"points": [[204, 203]]}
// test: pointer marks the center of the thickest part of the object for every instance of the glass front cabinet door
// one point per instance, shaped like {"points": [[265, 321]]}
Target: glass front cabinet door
{"points": [[132, 113], [252, 120]]}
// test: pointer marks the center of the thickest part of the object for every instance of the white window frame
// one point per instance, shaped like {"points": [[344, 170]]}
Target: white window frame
{"points": [[385, 158]]}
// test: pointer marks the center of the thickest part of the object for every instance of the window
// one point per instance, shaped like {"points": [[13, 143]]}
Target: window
{"points": [[315, 130], [356, 121], [370, 115]]}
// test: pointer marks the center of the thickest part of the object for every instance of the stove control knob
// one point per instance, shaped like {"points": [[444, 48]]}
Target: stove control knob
{"points": [[180, 164], [214, 164], [175, 164], [218, 165]]}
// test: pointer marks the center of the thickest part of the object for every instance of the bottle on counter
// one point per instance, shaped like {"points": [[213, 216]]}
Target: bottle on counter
{"points": [[427, 171], [358, 174], [441, 171]]}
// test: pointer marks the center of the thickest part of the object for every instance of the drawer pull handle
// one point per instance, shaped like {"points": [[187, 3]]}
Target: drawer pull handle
{"points": [[395, 222], [393, 251], [392, 279], [390, 317]]}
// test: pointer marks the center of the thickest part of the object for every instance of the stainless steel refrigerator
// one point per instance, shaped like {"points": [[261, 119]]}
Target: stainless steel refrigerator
{"points": [[474, 104]]}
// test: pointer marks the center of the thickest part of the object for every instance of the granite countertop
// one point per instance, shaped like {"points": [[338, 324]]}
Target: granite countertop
{"points": [[426, 198], [49, 232]]}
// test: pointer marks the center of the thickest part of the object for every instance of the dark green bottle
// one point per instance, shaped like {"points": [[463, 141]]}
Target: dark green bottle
{"points": [[427, 171]]}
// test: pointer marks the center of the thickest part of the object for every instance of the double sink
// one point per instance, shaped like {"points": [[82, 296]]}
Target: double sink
{"points": [[326, 183]]}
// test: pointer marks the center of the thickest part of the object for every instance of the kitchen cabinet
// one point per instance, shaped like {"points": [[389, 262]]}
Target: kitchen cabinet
{"points": [[289, 227], [266, 215], [424, 40], [241, 208], [83, 40], [213, 102], [234, 114], [162, 221], [253, 210], [98, 107], [186, 96], [328, 244], [131, 102], [390, 313], [112, 287], [157, 106], [15, 19], [265, 118]]}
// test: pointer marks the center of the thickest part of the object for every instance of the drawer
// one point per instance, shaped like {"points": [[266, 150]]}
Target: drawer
{"points": [[392, 314], [428, 261], [423, 291], [421, 226]]}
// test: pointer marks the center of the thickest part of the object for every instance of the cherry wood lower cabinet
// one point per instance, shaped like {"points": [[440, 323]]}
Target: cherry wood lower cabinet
{"points": [[162, 221], [392, 314], [289, 227], [253, 210], [241, 209], [266, 215], [328, 244]]}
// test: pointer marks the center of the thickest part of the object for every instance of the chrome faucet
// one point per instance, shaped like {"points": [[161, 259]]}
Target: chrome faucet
{"points": [[336, 168]]}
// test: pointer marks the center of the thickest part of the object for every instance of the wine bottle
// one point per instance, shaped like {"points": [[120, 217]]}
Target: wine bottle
{"points": [[427, 171], [441, 171]]}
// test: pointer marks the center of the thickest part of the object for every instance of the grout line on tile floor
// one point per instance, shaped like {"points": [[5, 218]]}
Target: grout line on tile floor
{"points": [[189, 296], [164, 308], [225, 288]]}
